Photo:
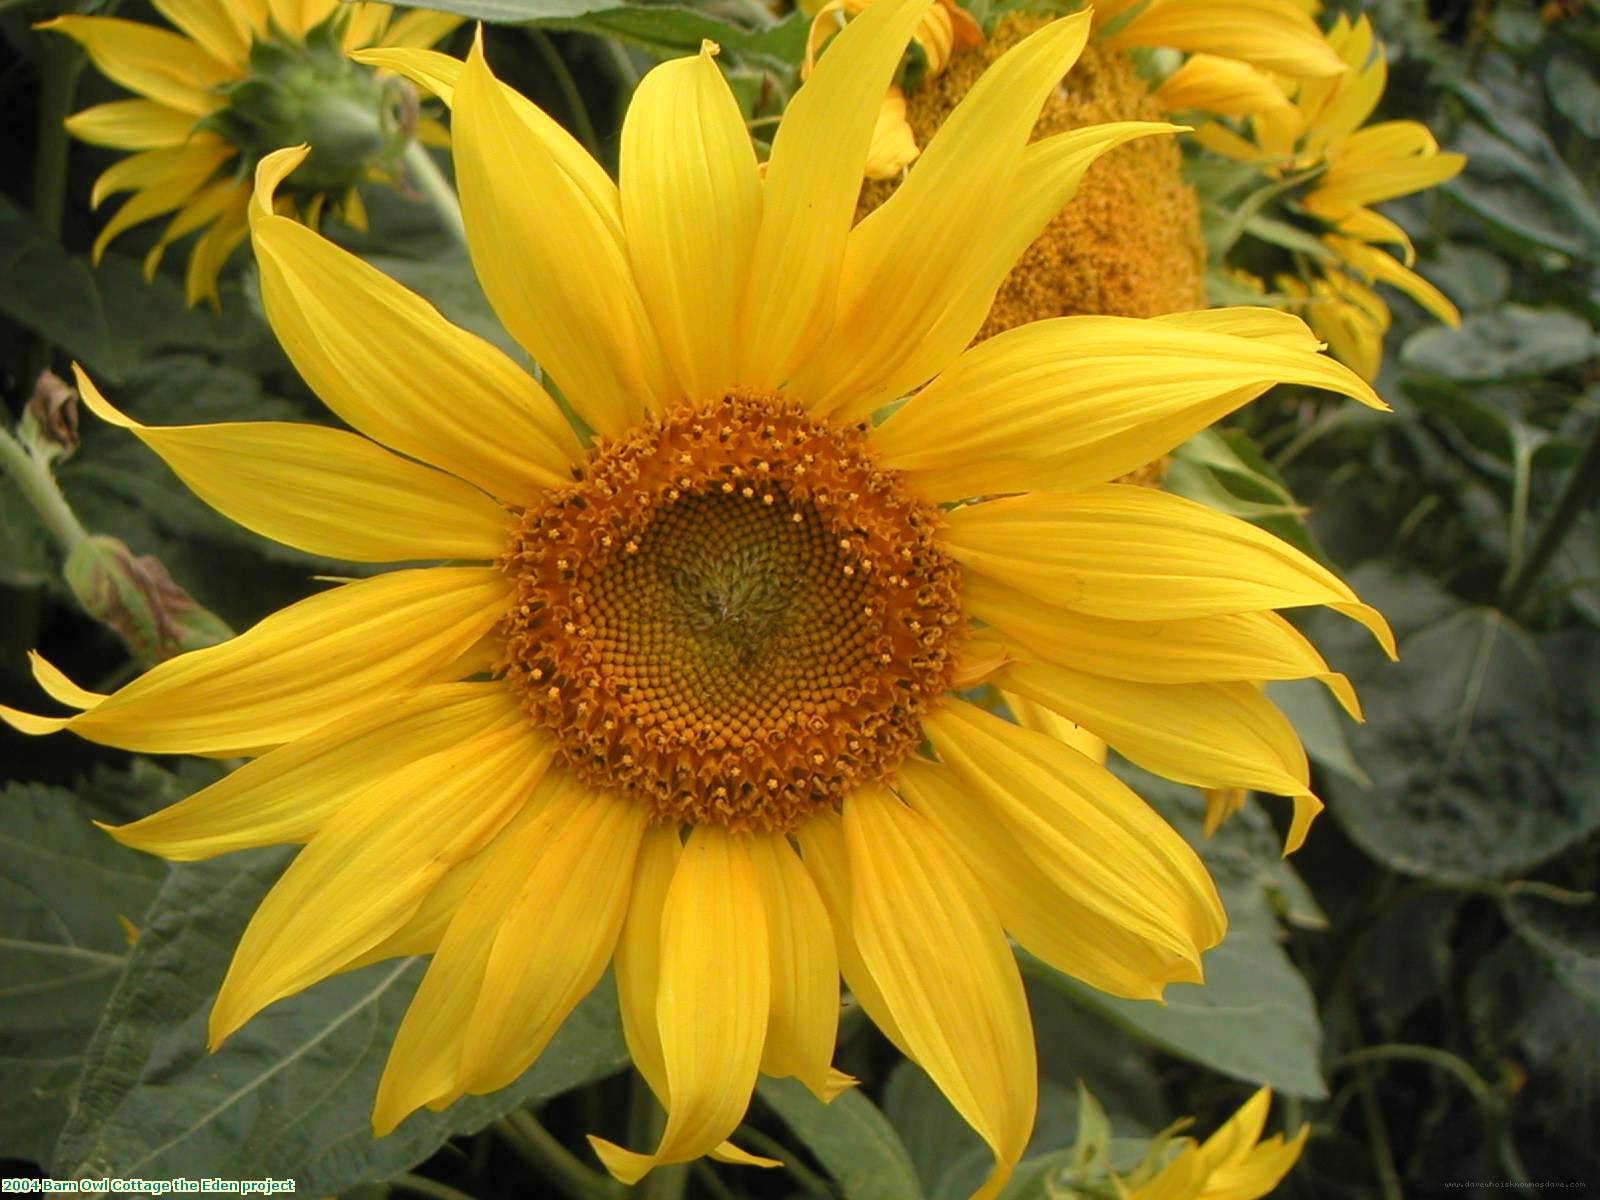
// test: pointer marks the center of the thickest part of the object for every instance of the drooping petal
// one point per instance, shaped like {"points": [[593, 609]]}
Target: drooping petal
{"points": [[364, 874], [438, 73], [1138, 554], [321, 490], [155, 63], [212, 202], [1043, 912], [712, 1003], [1210, 735], [1381, 268], [299, 669], [804, 1017], [211, 251], [175, 176], [132, 125], [1072, 401], [933, 944], [387, 362], [290, 792], [1227, 646], [638, 959], [424, 1066], [1082, 827], [691, 207], [555, 939], [814, 175], [556, 271], [907, 261]]}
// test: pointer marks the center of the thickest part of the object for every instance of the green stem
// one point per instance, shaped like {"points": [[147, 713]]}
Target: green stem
{"points": [[646, 1120], [569, 89], [1577, 495], [1388, 1175], [435, 188], [814, 1184], [63, 63], [556, 1164], [1442, 1060], [708, 1179], [423, 1186], [38, 488]]}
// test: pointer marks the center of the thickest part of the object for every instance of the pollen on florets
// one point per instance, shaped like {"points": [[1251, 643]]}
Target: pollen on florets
{"points": [[733, 614]]}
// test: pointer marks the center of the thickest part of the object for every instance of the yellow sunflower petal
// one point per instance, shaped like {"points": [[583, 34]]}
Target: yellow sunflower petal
{"points": [[156, 63], [424, 1065], [365, 872], [132, 125], [58, 687], [438, 73], [813, 179], [419, 28], [712, 1004], [1210, 735], [1227, 646], [290, 792], [894, 143], [383, 358], [1072, 401], [1042, 912], [1219, 85], [555, 939], [207, 205], [1082, 827], [303, 667], [804, 1018], [217, 26], [557, 271], [1381, 268], [182, 173], [1137, 554], [825, 859], [321, 490], [911, 257], [932, 942], [639, 954], [1049, 176], [691, 207], [211, 251], [1276, 34]]}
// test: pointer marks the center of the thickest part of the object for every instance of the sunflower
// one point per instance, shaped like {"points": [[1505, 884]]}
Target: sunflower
{"points": [[239, 79], [1348, 166], [680, 697], [1232, 1164], [1132, 244]]}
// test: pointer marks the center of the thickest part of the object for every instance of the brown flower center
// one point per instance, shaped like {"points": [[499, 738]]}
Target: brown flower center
{"points": [[734, 614]]}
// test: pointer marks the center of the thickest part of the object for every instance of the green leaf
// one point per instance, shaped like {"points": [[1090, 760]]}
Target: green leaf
{"points": [[1254, 1018], [1287, 236], [1574, 92], [664, 30], [52, 293], [63, 886], [1470, 275], [852, 1140], [1478, 741], [1512, 342], [290, 1094], [1530, 201]]}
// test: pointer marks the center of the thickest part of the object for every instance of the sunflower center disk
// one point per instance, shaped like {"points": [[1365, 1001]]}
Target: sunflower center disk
{"points": [[734, 615]]}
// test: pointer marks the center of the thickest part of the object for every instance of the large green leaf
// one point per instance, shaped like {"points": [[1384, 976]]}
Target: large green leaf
{"points": [[290, 1094], [1481, 741], [65, 889], [1512, 342], [52, 293], [852, 1140], [663, 30], [1254, 1018]]}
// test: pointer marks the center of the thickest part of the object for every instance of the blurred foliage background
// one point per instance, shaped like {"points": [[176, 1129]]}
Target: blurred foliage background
{"points": [[1421, 983]]}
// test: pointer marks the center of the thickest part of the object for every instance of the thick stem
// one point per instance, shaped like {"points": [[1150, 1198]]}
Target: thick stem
{"points": [[1579, 493], [38, 488], [423, 172], [63, 63]]}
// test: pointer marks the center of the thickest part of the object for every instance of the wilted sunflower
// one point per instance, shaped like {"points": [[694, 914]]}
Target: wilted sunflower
{"points": [[691, 711], [239, 79]]}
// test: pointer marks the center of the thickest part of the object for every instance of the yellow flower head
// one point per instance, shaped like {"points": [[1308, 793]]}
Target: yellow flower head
{"points": [[1232, 1164], [682, 699], [239, 79]]}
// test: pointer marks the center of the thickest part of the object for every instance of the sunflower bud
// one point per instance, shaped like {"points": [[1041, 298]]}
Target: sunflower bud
{"points": [[135, 596], [308, 92]]}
